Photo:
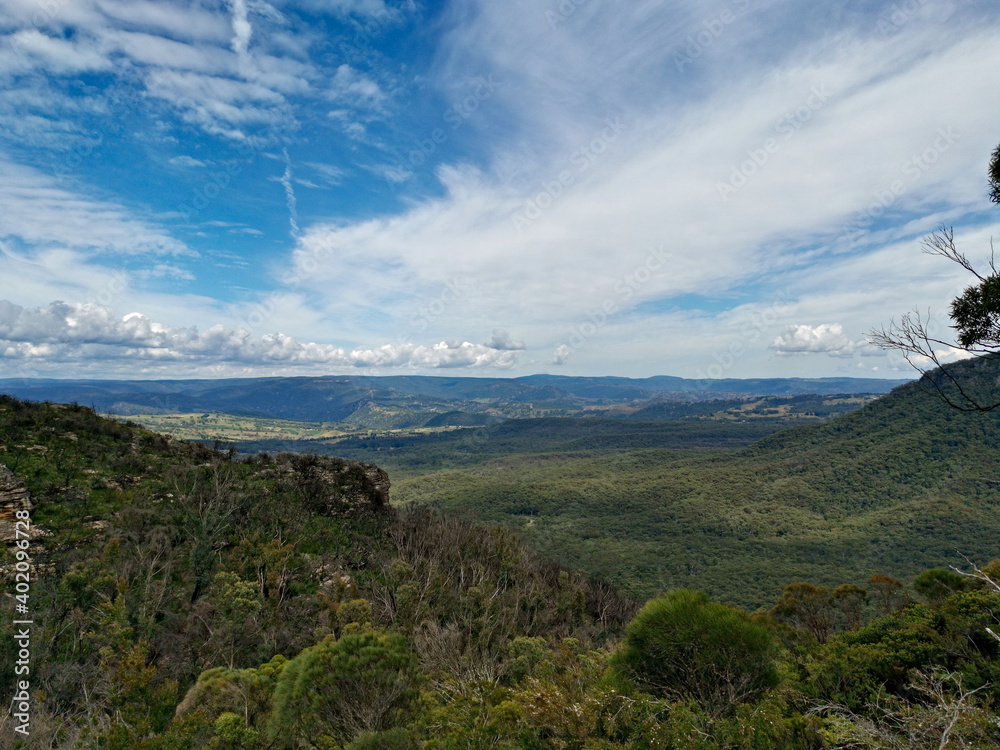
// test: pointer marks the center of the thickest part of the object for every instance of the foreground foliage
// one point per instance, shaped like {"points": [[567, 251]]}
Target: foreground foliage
{"points": [[189, 600]]}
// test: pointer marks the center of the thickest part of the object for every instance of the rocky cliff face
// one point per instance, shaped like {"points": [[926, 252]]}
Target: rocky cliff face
{"points": [[14, 497], [92, 479], [337, 486]]}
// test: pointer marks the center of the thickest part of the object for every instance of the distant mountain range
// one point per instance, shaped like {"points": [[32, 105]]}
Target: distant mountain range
{"points": [[402, 400]]}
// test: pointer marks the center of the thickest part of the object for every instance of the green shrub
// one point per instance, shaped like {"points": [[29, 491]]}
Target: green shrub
{"points": [[337, 689], [391, 739], [938, 584], [682, 645]]}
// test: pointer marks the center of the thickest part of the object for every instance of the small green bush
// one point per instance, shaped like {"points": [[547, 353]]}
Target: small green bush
{"points": [[683, 645]]}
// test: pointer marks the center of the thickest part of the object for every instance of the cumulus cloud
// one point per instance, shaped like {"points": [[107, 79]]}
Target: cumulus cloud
{"points": [[826, 338], [503, 341], [64, 331], [561, 354]]}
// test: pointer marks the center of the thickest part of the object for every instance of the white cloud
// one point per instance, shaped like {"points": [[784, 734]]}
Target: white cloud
{"points": [[65, 331], [188, 21], [590, 208], [40, 132], [59, 55], [394, 174], [353, 86], [164, 271], [588, 196], [186, 161], [266, 10], [160, 52], [37, 211], [371, 9], [333, 175], [67, 273], [503, 341], [180, 52], [826, 338], [290, 200], [242, 30], [221, 106]]}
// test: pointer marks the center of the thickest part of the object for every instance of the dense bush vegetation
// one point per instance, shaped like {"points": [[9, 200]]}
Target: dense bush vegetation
{"points": [[188, 599], [735, 509]]}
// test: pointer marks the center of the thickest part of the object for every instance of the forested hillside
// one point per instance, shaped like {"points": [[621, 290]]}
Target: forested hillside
{"points": [[185, 598], [155, 560], [903, 484]]}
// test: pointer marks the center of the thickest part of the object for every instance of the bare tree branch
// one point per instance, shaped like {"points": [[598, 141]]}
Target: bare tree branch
{"points": [[978, 574], [911, 337], [948, 716]]}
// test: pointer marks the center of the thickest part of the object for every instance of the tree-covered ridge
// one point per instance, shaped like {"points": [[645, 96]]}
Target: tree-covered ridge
{"points": [[899, 485], [165, 559], [399, 402]]}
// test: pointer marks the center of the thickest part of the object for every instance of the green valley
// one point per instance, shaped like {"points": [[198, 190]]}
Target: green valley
{"points": [[735, 498], [189, 598]]}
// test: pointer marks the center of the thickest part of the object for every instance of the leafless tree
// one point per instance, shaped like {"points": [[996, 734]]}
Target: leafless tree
{"points": [[977, 320], [946, 716], [986, 579]]}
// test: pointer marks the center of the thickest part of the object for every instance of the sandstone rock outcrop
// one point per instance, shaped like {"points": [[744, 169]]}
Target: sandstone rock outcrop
{"points": [[13, 497]]}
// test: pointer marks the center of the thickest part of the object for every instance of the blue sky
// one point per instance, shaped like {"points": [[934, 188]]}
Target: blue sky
{"points": [[704, 189]]}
